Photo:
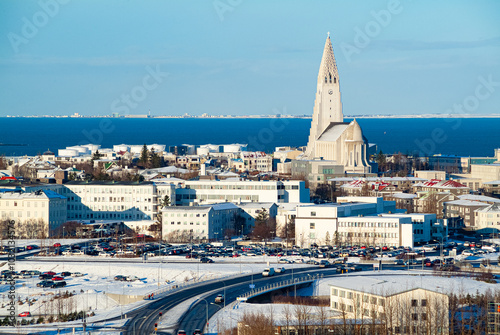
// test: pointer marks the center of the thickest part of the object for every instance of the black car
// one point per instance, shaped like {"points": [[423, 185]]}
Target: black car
{"points": [[206, 260], [44, 276], [45, 283], [57, 284], [120, 278], [197, 332], [65, 274]]}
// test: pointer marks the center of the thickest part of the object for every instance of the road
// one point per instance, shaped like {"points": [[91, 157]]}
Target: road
{"points": [[143, 320]]}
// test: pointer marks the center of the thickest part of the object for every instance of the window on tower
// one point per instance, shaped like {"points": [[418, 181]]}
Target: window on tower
{"points": [[330, 77], [326, 80], [334, 80]]}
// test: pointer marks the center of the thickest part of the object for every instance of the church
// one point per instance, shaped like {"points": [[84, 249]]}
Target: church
{"points": [[330, 137]]}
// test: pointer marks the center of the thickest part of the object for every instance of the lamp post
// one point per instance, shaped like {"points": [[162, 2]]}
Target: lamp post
{"points": [[207, 309]]}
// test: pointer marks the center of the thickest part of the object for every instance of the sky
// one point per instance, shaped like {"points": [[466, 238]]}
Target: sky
{"points": [[242, 57]]}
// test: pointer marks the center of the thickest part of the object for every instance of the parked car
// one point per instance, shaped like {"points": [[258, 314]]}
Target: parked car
{"points": [[206, 260], [280, 270], [120, 278], [52, 273], [181, 332], [132, 278], [76, 274], [324, 263], [44, 276], [45, 283], [57, 278], [219, 298], [283, 261], [24, 314], [58, 284], [197, 332], [65, 274]]}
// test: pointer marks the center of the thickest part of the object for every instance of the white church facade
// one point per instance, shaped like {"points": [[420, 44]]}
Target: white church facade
{"points": [[330, 137]]}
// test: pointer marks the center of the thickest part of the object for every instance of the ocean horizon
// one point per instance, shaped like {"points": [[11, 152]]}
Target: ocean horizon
{"points": [[477, 137]]}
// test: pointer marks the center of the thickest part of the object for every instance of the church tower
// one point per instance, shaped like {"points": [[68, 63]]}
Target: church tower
{"points": [[327, 105]]}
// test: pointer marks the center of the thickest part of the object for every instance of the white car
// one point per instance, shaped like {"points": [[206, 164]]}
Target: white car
{"points": [[77, 274], [132, 278]]}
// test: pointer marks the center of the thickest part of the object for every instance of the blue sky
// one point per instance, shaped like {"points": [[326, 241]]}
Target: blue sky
{"points": [[244, 56]]}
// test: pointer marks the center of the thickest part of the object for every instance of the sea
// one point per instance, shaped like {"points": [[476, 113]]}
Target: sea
{"points": [[475, 137]]}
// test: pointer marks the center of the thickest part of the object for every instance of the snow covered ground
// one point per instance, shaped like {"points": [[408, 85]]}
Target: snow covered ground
{"points": [[98, 292], [91, 291]]}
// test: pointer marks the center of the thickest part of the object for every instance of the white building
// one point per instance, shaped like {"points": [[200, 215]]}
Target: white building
{"points": [[361, 221], [402, 309], [105, 200], [36, 214], [488, 217], [214, 191], [199, 222]]}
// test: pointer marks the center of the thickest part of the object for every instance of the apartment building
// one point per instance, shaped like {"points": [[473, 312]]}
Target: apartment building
{"points": [[206, 222], [36, 214], [361, 221], [214, 191]]}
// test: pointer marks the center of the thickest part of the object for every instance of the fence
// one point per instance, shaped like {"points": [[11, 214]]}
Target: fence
{"points": [[278, 285]]}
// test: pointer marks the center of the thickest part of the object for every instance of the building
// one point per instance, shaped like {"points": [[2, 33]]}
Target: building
{"points": [[403, 310], [464, 210], [430, 174], [207, 222], [254, 209], [361, 221], [36, 214], [488, 217], [111, 200], [316, 171], [230, 190], [330, 137]]}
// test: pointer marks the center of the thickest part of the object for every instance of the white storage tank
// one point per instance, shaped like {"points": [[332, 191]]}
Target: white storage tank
{"points": [[214, 147], [121, 147], [203, 151], [67, 153], [136, 149], [80, 149], [232, 148], [92, 147], [157, 147]]}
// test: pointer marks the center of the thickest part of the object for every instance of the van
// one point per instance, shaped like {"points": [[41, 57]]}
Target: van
{"points": [[268, 272]]}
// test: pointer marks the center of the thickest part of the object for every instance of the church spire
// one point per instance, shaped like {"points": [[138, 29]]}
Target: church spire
{"points": [[328, 73]]}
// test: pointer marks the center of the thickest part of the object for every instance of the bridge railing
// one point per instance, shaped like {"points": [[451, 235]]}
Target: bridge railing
{"points": [[278, 285]]}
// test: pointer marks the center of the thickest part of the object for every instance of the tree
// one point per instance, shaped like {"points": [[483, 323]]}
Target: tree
{"points": [[264, 226], [381, 161], [154, 159], [144, 159], [327, 238]]}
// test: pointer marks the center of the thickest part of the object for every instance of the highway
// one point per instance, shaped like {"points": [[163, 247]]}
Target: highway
{"points": [[143, 320]]}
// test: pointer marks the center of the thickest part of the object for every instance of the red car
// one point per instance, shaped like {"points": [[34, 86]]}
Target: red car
{"points": [[57, 245], [25, 314], [56, 278], [51, 273]]}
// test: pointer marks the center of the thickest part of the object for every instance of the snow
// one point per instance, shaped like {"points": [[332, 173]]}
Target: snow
{"points": [[98, 292]]}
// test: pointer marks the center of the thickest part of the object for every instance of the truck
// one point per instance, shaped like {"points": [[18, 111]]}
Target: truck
{"points": [[268, 272]]}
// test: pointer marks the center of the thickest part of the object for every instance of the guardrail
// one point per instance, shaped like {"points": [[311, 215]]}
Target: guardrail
{"points": [[176, 287], [278, 285]]}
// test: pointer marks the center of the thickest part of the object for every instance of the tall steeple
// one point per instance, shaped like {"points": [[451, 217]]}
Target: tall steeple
{"points": [[328, 105]]}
